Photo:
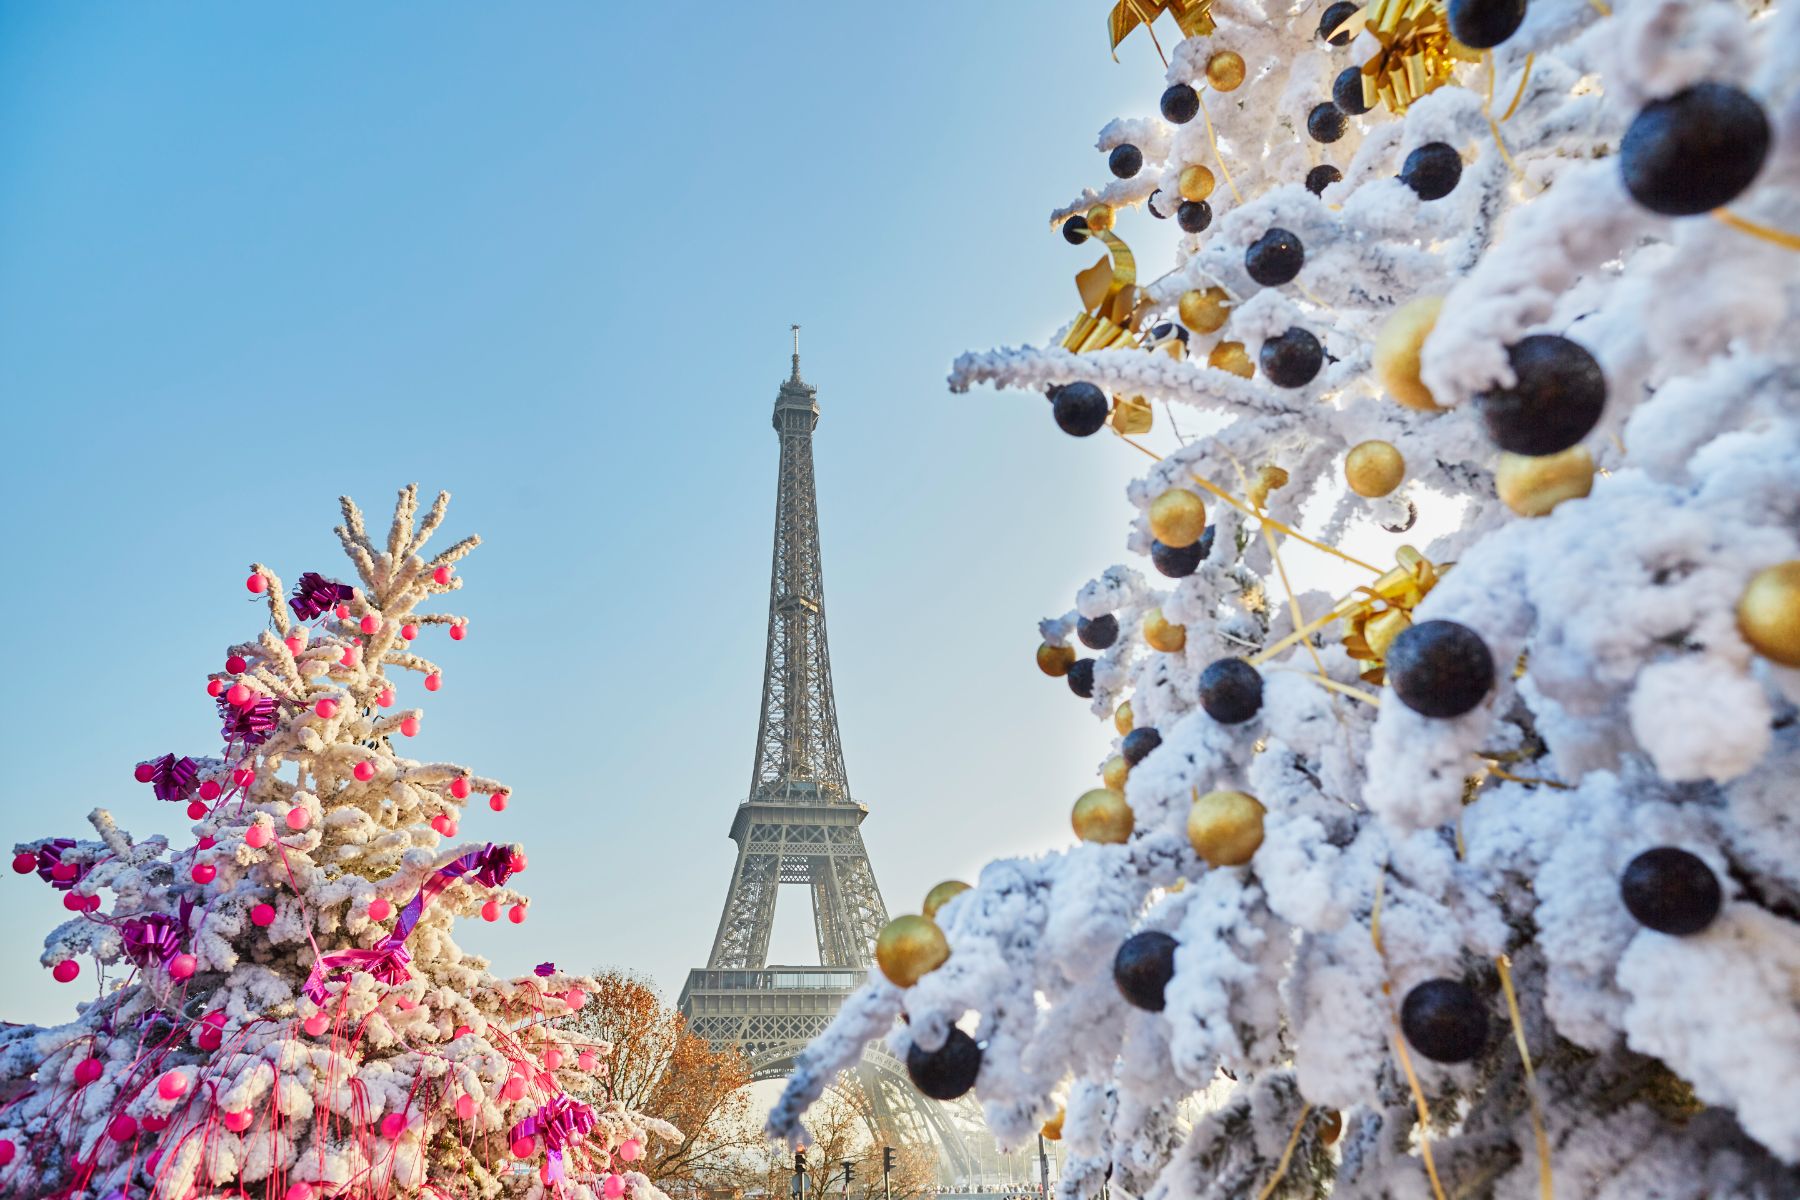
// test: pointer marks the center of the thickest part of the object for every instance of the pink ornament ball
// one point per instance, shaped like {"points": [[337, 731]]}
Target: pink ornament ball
{"points": [[409, 726], [298, 818], [7, 1151], [465, 1108], [154, 1124], [490, 911], [553, 1059], [236, 665], [433, 682], [295, 644], [441, 576], [243, 776], [238, 1121], [450, 829], [497, 801], [349, 656], [210, 1039], [458, 632], [215, 688], [25, 862], [263, 915], [514, 1088], [63, 871], [196, 810], [545, 1175], [409, 631], [392, 1126], [65, 971], [316, 1025], [204, 872], [237, 695], [210, 789], [630, 1148], [441, 823], [215, 1018], [459, 787], [257, 584], [524, 1147], [299, 1191], [326, 708], [172, 1086], [93, 904], [342, 611], [519, 861], [364, 771], [182, 966], [144, 772], [461, 1030], [586, 1060], [575, 998], [74, 902], [122, 1128], [257, 836], [614, 1187], [88, 1070], [516, 914], [207, 843], [385, 697], [379, 909], [370, 623]]}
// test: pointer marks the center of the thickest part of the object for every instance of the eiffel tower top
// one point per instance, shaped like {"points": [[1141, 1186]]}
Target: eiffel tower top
{"points": [[799, 756]]}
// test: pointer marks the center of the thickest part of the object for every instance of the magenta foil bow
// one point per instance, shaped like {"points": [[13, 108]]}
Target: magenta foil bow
{"points": [[173, 778], [314, 594], [155, 938], [49, 857], [544, 970], [252, 724], [387, 959], [562, 1122]]}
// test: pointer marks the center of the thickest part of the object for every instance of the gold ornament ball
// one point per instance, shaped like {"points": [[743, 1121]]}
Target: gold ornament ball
{"points": [[1226, 828], [910, 948], [1052, 1129], [941, 895], [1204, 310], [1055, 661], [1101, 815], [1397, 351], [1100, 218], [1195, 182], [1225, 70], [1122, 718], [1768, 615], [1177, 518], [1162, 633], [1114, 771], [1374, 469], [1230, 356], [1532, 485]]}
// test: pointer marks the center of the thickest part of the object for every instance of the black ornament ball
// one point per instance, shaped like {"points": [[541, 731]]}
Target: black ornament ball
{"points": [[1194, 215], [1080, 408], [1695, 150], [947, 1072], [1440, 668], [1143, 967], [1125, 161], [1138, 744], [1554, 402], [1274, 258], [1333, 18], [1322, 177], [1179, 104], [1081, 678], [1293, 359], [1162, 331], [1178, 562], [1075, 230], [1445, 1020], [1150, 204], [1097, 633], [1484, 24], [1326, 122], [1347, 92], [1432, 170], [1671, 891], [1231, 691]]}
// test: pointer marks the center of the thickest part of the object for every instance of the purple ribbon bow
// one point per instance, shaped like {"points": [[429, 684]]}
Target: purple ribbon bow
{"points": [[562, 1122], [49, 857], [252, 724], [315, 593], [155, 938], [173, 778], [545, 970]]}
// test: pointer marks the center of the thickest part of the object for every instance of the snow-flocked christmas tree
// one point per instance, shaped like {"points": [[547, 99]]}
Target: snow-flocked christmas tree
{"points": [[289, 1017], [1483, 878]]}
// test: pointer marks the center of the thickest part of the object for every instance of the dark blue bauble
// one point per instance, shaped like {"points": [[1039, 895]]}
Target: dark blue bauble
{"points": [[1143, 967], [1440, 668], [1138, 744], [1291, 360], [1694, 151], [1322, 177], [1347, 92], [947, 1072], [1125, 161], [1445, 1020], [1179, 104], [1231, 691], [1326, 123], [1671, 891], [1194, 215], [1080, 408], [1484, 24], [1075, 230], [1432, 171], [1555, 400], [1274, 258], [1081, 678], [1097, 633], [1333, 17]]}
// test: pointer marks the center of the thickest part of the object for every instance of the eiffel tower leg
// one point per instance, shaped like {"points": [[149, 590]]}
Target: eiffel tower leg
{"points": [[744, 926]]}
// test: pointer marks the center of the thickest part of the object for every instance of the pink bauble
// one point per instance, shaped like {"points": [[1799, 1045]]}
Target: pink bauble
{"points": [[154, 1124], [342, 612], [182, 966], [545, 1175], [450, 829], [497, 801], [151, 1125], [370, 623], [295, 644], [144, 772], [586, 1060], [210, 789], [524, 1147], [63, 871], [516, 914], [243, 776], [316, 1024], [575, 997], [433, 682], [461, 1030], [379, 909], [210, 1039], [262, 915], [614, 1187], [25, 862], [459, 787], [553, 1059], [490, 911], [238, 1121], [364, 771], [74, 902], [204, 872], [298, 818], [93, 904], [441, 576], [349, 656], [88, 1070], [172, 1086], [235, 665], [257, 836], [519, 862], [65, 970], [257, 584], [216, 1018], [122, 1128], [326, 708], [441, 823], [385, 697], [465, 1108], [196, 810], [630, 1148], [458, 632], [237, 695], [299, 1191], [207, 843], [409, 631], [7, 1150], [409, 726], [392, 1125], [514, 1088], [214, 687]]}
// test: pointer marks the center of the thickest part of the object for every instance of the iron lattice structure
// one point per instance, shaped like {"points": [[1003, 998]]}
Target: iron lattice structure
{"points": [[799, 825]]}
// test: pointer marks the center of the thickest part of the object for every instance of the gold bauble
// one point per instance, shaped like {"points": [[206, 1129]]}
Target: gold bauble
{"points": [[910, 948], [1177, 518], [1226, 828], [1114, 771], [1397, 351], [1533, 484], [1374, 469], [1195, 182], [1055, 661], [1162, 633], [941, 895], [1122, 718], [1101, 815], [1225, 70], [1100, 218], [1768, 614], [1052, 1129], [1204, 310], [1230, 356]]}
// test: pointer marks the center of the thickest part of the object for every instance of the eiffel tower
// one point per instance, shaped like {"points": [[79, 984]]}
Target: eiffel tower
{"points": [[799, 825]]}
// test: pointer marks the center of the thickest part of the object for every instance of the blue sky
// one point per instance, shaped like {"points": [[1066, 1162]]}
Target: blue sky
{"points": [[546, 256]]}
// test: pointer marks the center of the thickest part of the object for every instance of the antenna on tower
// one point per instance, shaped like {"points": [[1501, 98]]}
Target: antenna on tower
{"points": [[796, 330]]}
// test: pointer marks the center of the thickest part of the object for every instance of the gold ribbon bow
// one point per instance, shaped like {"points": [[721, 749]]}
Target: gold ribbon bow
{"points": [[1113, 309], [1194, 17], [1371, 626], [1417, 52]]}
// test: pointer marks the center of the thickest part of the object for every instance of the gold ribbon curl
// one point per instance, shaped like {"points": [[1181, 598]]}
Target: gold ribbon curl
{"points": [[1372, 623], [1417, 53], [1194, 17]]}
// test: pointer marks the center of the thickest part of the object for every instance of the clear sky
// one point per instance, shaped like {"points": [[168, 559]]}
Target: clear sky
{"points": [[546, 256]]}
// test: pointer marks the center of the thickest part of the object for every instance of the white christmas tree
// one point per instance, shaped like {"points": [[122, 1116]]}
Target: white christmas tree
{"points": [[1481, 878], [288, 1016]]}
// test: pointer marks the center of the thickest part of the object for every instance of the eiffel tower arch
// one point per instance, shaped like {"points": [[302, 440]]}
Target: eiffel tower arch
{"points": [[799, 825]]}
